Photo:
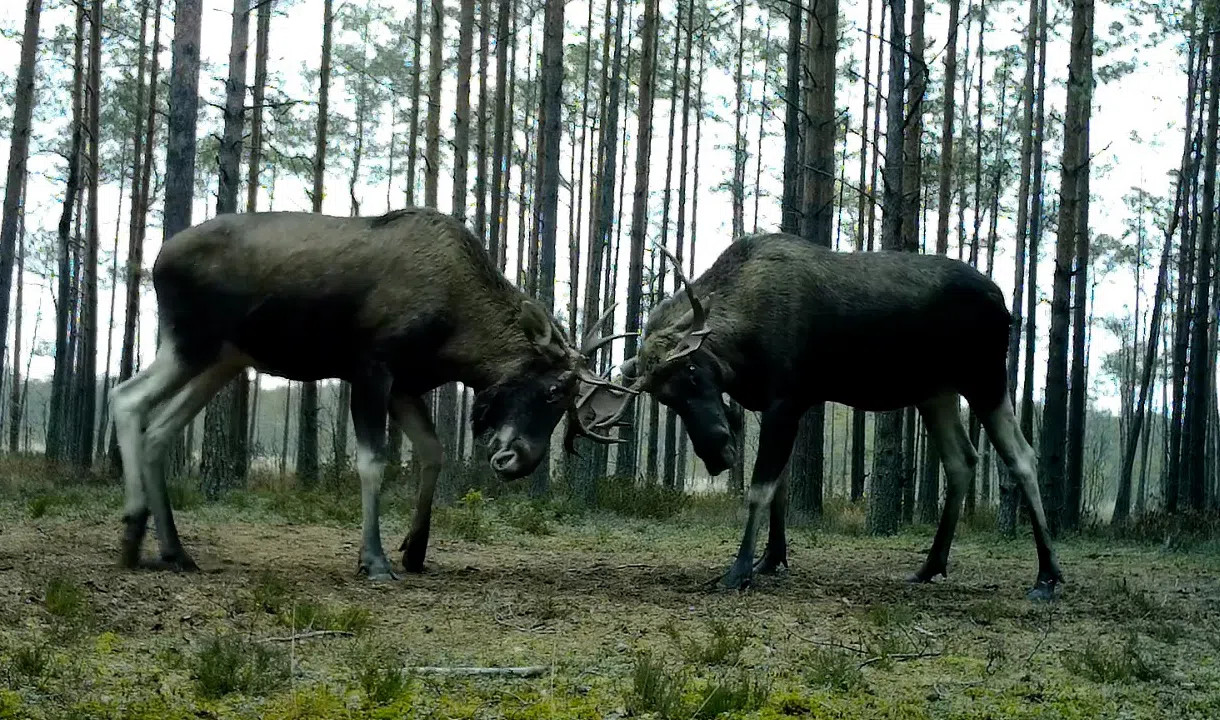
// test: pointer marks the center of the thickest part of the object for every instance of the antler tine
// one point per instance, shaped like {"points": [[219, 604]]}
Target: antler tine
{"points": [[592, 346], [700, 317]]}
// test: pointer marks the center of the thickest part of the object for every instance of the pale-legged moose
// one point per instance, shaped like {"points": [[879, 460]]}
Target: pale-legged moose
{"points": [[396, 305], [779, 324]]}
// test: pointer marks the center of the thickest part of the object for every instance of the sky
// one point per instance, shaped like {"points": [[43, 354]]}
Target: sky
{"points": [[1135, 141]]}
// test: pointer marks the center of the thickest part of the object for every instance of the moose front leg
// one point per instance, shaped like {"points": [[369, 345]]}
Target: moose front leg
{"points": [[370, 399], [412, 415], [775, 438]]}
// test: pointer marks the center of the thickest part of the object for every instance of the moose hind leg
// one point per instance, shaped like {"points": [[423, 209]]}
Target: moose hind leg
{"points": [[1018, 456], [958, 456], [131, 401], [169, 420], [413, 416]]}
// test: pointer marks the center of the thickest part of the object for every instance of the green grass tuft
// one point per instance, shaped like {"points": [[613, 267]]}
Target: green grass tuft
{"points": [[1105, 663], [64, 598], [230, 664], [743, 692], [654, 689], [834, 670]]}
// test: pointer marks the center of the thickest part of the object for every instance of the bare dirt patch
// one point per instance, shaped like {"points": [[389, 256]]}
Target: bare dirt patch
{"points": [[1134, 633]]}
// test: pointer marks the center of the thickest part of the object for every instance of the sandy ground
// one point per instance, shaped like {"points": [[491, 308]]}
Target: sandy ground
{"points": [[585, 601]]}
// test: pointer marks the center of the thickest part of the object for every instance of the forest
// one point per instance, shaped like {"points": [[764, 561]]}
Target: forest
{"points": [[1066, 150]]}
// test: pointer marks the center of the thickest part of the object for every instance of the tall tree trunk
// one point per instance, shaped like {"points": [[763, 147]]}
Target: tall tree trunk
{"points": [[16, 401], [1053, 441], [592, 464], [790, 203], [253, 172], [857, 415], [19, 149], [669, 466], [738, 189], [550, 132], [886, 496], [673, 426], [480, 173], [140, 189], [929, 487], [912, 187], [222, 465], [447, 394], [417, 42], [307, 422], [627, 451], [103, 414], [503, 40], [1009, 499], [87, 357], [1198, 395], [807, 465]]}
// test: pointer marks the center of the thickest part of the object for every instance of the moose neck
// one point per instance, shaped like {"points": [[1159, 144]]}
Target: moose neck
{"points": [[484, 348]]}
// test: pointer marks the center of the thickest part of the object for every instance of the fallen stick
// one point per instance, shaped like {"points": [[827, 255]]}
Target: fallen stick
{"points": [[521, 672], [310, 634], [898, 657]]}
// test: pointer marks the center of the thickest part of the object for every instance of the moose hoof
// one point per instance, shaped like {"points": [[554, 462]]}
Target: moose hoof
{"points": [[376, 568], [133, 538], [737, 578], [927, 574], [178, 561], [771, 565], [412, 561]]}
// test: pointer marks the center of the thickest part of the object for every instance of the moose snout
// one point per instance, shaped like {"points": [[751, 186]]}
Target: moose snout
{"points": [[509, 456]]}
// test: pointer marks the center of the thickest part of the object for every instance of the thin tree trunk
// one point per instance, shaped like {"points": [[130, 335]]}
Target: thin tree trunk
{"points": [[16, 403], [627, 451], [929, 487], [253, 183], [417, 41], [19, 148], [1194, 438], [222, 464], [307, 423], [1053, 441], [807, 465], [884, 509], [857, 415]]}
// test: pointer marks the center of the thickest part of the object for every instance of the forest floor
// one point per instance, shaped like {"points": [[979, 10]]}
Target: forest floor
{"points": [[616, 609]]}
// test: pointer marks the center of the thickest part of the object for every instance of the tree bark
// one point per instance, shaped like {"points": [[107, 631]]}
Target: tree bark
{"points": [[223, 465], [807, 465], [16, 396], [141, 189], [857, 415], [1074, 167], [19, 149], [790, 206], [1198, 396], [626, 459], [929, 487], [885, 499], [307, 422], [417, 41]]}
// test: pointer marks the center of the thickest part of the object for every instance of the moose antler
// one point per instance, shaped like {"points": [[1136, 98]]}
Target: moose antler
{"points": [[698, 330]]}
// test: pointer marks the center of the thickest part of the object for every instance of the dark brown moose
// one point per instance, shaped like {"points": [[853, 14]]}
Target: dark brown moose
{"points": [[396, 305], [780, 324]]}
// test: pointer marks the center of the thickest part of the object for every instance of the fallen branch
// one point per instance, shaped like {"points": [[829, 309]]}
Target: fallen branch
{"points": [[308, 635], [898, 657], [521, 672]]}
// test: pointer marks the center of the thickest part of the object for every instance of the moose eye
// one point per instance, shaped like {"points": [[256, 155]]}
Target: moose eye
{"points": [[552, 393]]}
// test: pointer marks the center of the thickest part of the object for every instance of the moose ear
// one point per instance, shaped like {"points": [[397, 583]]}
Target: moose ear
{"points": [[535, 324]]}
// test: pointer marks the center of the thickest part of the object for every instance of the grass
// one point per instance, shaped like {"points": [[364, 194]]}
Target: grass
{"points": [[654, 688], [307, 615], [832, 669], [612, 602], [1109, 663], [65, 598], [230, 664]]}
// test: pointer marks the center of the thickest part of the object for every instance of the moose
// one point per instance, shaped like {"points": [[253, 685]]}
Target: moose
{"points": [[396, 305], [779, 324]]}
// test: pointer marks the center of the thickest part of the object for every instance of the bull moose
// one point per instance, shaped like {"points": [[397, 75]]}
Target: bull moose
{"points": [[779, 324], [396, 305]]}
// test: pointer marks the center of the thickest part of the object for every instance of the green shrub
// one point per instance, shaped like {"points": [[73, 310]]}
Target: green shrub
{"points": [[647, 500], [64, 598]]}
